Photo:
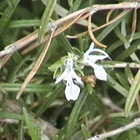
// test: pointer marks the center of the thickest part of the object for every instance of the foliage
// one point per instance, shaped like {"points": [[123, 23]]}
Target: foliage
{"points": [[36, 39]]}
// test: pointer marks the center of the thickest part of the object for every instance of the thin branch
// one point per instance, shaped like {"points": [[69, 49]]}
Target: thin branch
{"points": [[92, 35], [111, 21], [109, 15], [62, 29], [4, 60], [33, 36], [100, 27], [135, 123]]}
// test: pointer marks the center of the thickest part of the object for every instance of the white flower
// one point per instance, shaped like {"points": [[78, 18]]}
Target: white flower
{"points": [[90, 60], [72, 90]]}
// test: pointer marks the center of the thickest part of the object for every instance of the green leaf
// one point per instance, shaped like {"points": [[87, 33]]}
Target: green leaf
{"points": [[46, 17], [85, 131], [119, 43], [129, 74], [70, 2], [127, 43], [20, 130], [10, 3], [24, 23], [75, 5], [74, 115], [129, 52], [133, 92], [117, 86], [49, 100], [55, 66], [7, 15], [11, 116], [34, 129], [123, 80], [8, 87]]}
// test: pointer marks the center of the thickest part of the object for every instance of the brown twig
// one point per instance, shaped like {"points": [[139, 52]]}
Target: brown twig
{"points": [[135, 123], [4, 60], [99, 123], [62, 29], [33, 36], [100, 27], [109, 15], [111, 21], [92, 35]]}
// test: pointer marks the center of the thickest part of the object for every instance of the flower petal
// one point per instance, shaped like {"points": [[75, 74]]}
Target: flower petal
{"points": [[75, 76], [72, 91], [90, 49], [67, 71], [99, 71], [61, 77], [101, 51], [95, 58]]}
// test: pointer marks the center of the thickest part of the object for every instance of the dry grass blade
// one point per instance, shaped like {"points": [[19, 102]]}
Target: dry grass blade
{"points": [[111, 21], [109, 15], [4, 60], [36, 66], [33, 36], [92, 35], [68, 25], [100, 27]]}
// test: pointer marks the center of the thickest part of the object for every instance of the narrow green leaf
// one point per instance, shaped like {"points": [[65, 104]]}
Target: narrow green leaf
{"points": [[8, 87], [75, 5], [123, 80], [129, 74], [130, 51], [133, 92], [120, 35], [119, 43], [3, 4], [74, 115], [56, 137], [46, 17], [11, 116], [34, 129], [98, 101], [64, 42], [117, 86], [10, 3], [70, 2], [20, 130], [55, 66], [55, 93], [7, 15], [85, 131], [24, 23], [127, 43]]}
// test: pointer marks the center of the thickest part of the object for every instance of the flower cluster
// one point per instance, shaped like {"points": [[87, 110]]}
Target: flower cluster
{"points": [[73, 81], [72, 90]]}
